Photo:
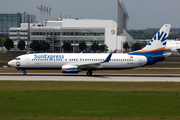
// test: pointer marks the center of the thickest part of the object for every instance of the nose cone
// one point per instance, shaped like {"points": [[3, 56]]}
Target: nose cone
{"points": [[11, 63]]}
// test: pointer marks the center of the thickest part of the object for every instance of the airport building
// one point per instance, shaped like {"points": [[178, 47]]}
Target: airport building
{"points": [[56, 33]]}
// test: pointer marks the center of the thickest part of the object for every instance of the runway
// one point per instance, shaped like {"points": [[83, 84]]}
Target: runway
{"points": [[95, 77]]}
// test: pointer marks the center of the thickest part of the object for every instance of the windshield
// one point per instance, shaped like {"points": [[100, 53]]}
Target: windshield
{"points": [[17, 58]]}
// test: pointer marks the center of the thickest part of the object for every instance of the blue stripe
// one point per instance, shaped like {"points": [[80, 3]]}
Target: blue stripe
{"points": [[25, 68], [148, 55]]}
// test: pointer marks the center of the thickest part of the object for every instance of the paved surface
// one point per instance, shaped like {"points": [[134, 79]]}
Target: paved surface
{"points": [[95, 77]]}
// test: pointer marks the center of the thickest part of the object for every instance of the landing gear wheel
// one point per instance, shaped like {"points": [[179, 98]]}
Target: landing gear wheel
{"points": [[89, 73], [24, 73]]}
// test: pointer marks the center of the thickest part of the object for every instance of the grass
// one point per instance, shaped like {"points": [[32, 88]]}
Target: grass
{"points": [[95, 86], [89, 104], [89, 100]]}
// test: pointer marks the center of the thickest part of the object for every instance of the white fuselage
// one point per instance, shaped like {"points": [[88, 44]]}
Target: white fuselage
{"points": [[57, 60]]}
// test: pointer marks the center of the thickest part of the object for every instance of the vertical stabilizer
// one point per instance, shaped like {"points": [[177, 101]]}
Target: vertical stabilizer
{"points": [[157, 43]]}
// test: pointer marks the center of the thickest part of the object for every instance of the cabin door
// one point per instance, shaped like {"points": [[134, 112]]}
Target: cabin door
{"points": [[140, 61], [27, 60]]}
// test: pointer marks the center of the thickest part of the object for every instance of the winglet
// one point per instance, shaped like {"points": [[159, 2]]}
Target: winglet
{"points": [[115, 50], [108, 57]]}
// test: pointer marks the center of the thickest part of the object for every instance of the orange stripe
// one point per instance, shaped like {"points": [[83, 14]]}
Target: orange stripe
{"points": [[145, 51], [69, 68]]}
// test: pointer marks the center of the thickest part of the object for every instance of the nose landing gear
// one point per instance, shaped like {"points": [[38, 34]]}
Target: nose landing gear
{"points": [[24, 73]]}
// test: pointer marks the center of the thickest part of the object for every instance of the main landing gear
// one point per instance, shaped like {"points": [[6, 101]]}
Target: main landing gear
{"points": [[24, 73], [89, 72]]}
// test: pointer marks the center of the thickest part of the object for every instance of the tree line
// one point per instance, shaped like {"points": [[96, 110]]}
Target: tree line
{"points": [[149, 33], [35, 45], [134, 47], [82, 46], [44, 46]]}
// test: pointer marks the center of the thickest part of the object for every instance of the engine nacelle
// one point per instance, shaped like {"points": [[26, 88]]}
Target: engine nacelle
{"points": [[174, 50], [69, 69]]}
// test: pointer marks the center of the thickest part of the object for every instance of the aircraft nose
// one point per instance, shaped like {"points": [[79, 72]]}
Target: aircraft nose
{"points": [[11, 63]]}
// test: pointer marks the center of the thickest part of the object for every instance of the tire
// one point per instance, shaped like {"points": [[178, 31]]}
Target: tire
{"points": [[89, 73], [24, 73]]}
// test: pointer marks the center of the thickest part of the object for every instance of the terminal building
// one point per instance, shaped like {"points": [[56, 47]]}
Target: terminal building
{"points": [[58, 31]]}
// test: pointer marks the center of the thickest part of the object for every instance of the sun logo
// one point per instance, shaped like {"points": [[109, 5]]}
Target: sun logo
{"points": [[17, 63], [113, 31], [159, 36]]}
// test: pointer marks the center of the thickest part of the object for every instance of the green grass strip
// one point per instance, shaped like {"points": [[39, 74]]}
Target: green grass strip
{"points": [[89, 100], [89, 104]]}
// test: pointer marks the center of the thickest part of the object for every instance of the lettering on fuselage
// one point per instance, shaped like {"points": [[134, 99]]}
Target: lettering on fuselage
{"points": [[45, 56]]}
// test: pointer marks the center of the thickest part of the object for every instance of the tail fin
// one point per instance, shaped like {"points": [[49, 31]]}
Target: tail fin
{"points": [[157, 43]]}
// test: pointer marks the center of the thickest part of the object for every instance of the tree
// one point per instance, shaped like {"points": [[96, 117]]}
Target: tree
{"points": [[94, 47], [1, 42], [82, 46], [67, 46], [9, 44], [103, 48], [35, 45], [136, 46], [21, 45], [126, 45], [6, 37], [39, 46], [44, 46]]}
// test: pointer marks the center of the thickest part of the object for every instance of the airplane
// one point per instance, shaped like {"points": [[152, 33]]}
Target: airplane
{"points": [[152, 53], [173, 45]]}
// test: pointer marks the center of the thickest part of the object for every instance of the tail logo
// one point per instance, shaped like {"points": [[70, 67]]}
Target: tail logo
{"points": [[158, 37]]}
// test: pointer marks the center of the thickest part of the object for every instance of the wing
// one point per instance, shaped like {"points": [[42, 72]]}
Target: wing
{"points": [[95, 64], [92, 65]]}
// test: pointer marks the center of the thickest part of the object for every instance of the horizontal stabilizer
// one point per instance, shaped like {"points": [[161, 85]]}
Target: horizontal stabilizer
{"points": [[161, 56]]}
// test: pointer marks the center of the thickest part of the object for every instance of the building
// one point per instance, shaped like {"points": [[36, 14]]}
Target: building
{"points": [[19, 33], [56, 33], [14, 20]]}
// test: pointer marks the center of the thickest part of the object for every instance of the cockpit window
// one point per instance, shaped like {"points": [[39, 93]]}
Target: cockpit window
{"points": [[17, 58]]}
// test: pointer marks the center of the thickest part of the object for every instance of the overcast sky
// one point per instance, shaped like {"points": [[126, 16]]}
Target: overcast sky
{"points": [[142, 13]]}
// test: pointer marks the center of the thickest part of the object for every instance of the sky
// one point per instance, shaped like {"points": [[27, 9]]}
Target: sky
{"points": [[142, 13]]}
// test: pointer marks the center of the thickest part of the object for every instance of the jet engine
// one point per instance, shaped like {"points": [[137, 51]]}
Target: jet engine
{"points": [[69, 69]]}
